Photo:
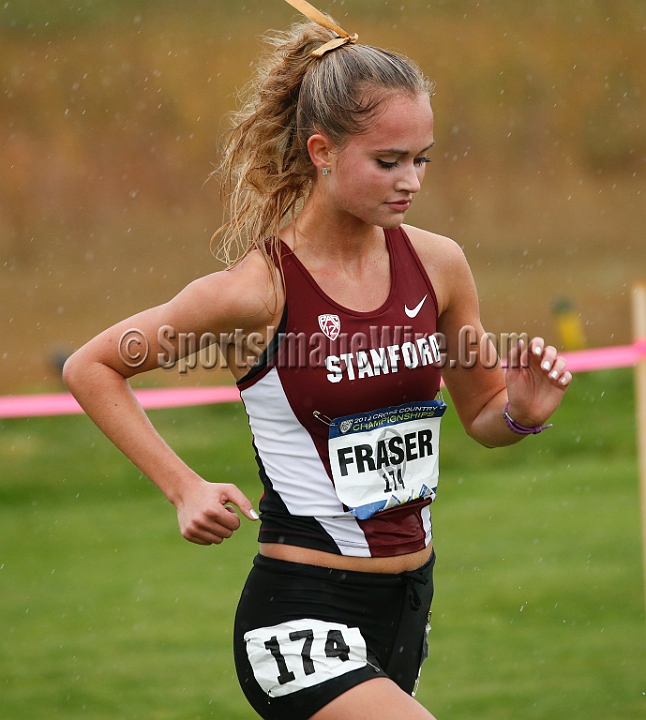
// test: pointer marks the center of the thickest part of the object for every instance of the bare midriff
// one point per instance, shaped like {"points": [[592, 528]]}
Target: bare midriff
{"points": [[388, 565]]}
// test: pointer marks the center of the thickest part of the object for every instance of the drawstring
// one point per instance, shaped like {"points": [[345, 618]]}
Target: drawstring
{"points": [[413, 578]]}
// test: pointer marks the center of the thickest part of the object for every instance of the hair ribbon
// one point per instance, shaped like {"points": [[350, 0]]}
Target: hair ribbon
{"points": [[316, 16]]}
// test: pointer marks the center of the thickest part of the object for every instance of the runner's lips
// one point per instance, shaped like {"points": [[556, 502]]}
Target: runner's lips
{"points": [[399, 205]]}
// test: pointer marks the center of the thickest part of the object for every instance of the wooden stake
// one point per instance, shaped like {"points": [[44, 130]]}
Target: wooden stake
{"points": [[639, 334]]}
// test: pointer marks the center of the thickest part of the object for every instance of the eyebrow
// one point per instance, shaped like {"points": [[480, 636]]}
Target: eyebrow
{"points": [[395, 151]]}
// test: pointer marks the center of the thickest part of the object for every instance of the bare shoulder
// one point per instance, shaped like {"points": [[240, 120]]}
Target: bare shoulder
{"points": [[248, 295], [443, 260], [435, 248]]}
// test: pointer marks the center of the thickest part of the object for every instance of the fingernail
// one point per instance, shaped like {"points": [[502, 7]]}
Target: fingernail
{"points": [[537, 351], [563, 381], [547, 365], [554, 375], [254, 515]]}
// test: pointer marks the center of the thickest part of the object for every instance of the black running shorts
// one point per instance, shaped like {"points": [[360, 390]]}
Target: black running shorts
{"points": [[305, 634]]}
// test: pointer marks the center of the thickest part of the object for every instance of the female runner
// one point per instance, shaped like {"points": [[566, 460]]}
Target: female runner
{"points": [[325, 159]]}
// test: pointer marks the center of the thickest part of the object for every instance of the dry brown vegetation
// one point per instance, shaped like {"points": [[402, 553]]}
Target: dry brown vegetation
{"points": [[109, 123]]}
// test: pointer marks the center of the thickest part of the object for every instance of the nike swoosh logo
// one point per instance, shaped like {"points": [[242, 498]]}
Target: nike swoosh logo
{"points": [[413, 313]]}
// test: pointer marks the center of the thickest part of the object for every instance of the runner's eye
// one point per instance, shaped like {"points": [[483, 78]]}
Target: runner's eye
{"points": [[390, 165], [387, 165]]}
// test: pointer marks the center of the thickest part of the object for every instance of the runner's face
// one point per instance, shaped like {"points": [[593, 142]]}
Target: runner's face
{"points": [[377, 174]]}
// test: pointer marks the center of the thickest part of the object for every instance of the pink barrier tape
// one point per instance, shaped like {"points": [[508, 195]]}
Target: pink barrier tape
{"points": [[15, 406], [605, 358]]}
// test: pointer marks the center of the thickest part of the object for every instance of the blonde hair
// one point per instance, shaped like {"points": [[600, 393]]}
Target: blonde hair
{"points": [[266, 172]]}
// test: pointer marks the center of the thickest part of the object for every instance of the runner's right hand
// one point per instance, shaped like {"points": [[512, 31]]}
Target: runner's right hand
{"points": [[204, 514]]}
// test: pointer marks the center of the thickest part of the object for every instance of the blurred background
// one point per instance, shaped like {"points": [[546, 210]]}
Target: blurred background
{"points": [[111, 110]]}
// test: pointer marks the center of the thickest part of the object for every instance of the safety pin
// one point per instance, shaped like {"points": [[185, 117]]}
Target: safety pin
{"points": [[323, 418]]}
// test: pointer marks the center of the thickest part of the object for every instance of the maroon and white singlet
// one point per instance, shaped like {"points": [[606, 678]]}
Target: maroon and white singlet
{"points": [[327, 362]]}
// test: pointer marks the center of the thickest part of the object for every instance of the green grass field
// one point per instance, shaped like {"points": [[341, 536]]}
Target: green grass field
{"points": [[106, 612]]}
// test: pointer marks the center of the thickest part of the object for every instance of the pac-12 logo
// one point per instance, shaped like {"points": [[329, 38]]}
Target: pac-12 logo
{"points": [[331, 325]]}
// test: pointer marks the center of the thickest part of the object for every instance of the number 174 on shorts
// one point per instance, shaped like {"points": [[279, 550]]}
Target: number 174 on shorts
{"points": [[299, 654]]}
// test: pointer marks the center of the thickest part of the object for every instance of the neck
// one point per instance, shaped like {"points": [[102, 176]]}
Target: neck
{"points": [[324, 231]]}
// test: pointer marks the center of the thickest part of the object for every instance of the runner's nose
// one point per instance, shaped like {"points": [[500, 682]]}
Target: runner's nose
{"points": [[410, 181]]}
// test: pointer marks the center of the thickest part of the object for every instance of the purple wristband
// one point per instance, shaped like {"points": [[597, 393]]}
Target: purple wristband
{"points": [[521, 429]]}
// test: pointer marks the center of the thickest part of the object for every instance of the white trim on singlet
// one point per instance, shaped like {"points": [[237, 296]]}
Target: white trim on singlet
{"points": [[292, 463], [428, 526], [347, 534]]}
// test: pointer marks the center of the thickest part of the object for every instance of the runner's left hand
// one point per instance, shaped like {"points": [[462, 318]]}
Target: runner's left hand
{"points": [[536, 381]]}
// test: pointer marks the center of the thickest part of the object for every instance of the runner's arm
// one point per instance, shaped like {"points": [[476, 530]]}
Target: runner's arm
{"points": [[97, 376], [534, 387]]}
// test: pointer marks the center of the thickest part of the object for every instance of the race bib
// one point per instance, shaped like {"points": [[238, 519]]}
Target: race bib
{"points": [[387, 457], [299, 654]]}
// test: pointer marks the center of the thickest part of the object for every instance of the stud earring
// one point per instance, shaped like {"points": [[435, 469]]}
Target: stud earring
{"points": [[326, 171]]}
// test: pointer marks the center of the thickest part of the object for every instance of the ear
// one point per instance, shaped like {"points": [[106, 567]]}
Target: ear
{"points": [[320, 150]]}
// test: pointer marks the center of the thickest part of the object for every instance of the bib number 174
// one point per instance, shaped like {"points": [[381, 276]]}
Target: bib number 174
{"points": [[298, 654]]}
